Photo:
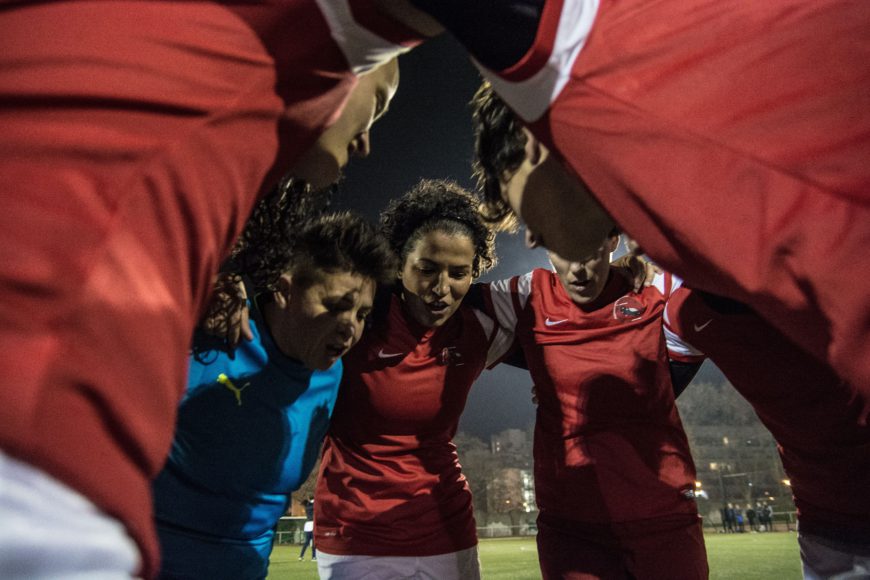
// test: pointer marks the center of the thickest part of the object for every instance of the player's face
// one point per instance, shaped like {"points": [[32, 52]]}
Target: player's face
{"points": [[319, 323], [584, 280], [321, 165], [557, 208], [436, 276]]}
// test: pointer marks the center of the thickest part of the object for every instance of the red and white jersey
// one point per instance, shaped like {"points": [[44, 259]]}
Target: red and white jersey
{"points": [[731, 140], [390, 483], [136, 136], [609, 444], [811, 413]]}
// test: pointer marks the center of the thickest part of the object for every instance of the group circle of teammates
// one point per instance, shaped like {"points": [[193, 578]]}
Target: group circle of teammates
{"points": [[186, 327]]}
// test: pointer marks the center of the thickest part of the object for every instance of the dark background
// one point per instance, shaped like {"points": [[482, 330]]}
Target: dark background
{"points": [[427, 134]]}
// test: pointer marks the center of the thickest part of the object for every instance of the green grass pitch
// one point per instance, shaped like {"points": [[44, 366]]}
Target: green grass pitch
{"points": [[731, 556]]}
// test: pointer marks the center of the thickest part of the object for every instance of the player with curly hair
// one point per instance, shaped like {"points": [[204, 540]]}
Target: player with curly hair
{"points": [[252, 422], [391, 497]]}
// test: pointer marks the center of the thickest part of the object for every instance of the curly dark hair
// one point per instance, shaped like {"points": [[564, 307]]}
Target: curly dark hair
{"points": [[499, 149], [266, 244], [340, 242], [438, 204], [263, 250]]}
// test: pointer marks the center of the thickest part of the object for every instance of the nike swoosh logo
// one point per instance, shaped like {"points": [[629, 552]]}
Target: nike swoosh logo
{"points": [[549, 322], [382, 354], [700, 327]]}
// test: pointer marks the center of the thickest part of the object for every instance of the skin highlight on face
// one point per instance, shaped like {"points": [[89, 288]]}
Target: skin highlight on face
{"points": [[559, 211], [436, 275], [319, 323], [349, 136]]}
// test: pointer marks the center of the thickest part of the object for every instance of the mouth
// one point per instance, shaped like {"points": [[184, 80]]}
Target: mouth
{"points": [[438, 307], [336, 350]]}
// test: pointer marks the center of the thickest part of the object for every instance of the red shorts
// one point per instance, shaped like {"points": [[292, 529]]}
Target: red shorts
{"points": [[666, 548]]}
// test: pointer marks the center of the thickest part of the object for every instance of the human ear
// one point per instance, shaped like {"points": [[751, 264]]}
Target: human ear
{"points": [[284, 291], [535, 150]]}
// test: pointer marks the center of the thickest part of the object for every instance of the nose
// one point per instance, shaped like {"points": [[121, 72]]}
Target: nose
{"points": [[579, 271], [347, 327], [360, 146], [441, 286]]}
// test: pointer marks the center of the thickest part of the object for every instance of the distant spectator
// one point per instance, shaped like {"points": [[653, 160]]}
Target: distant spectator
{"points": [[751, 518], [728, 518], [308, 529]]}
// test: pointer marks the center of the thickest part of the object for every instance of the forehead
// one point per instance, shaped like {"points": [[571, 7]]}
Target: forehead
{"points": [[331, 284], [600, 253], [450, 248]]}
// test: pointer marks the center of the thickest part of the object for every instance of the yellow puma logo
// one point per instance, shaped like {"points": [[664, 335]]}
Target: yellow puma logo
{"points": [[225, 381]]}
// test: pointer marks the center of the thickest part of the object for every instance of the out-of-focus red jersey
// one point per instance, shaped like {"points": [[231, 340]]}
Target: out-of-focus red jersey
{"points": [[811, 413], [730, 139], [135, 139]]}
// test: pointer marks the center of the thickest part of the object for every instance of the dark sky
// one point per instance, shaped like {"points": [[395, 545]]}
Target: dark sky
{"points": [[427, 133]]}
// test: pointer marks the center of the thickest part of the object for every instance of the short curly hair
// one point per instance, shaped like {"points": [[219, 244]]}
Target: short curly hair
{"points": [[266, 244], [499, 150], [340, 242], [438, 204]]}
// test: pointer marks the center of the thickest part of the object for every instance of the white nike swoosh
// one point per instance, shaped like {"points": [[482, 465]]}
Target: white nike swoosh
{"points": [[549, 322], [700, 327], [383, 354]]}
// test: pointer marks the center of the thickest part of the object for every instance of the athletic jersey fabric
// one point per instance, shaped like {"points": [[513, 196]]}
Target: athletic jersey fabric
{"points": [[810, 412], [729, 139], [609, 444], [136, 135], [250, 429], [390, 482]]}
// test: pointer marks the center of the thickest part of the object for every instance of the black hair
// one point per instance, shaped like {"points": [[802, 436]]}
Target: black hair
{"points": [[340, 242], [499, 150], [438, 204], [264, 248], [260, 254]]}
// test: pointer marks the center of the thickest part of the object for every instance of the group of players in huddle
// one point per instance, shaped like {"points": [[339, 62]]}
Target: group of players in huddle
{"points": [[607, 354], [729, 141]]}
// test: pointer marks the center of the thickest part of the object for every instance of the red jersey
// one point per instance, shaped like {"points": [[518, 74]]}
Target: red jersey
{"points": [[730, 139], [810, 412], [390, 483], [609, 444], [136, 135]]}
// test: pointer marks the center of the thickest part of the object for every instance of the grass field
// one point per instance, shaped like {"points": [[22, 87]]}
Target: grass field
{"points": [[731, 556]]}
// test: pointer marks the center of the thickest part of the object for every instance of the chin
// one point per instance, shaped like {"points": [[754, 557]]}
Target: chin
{"points": [[581, 299], [322, 366]]}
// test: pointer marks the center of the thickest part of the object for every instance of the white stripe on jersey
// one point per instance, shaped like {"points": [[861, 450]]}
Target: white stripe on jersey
{"points": [[660, 281], [678, 348], [500, 339], [503, 295], [531, 97], [363, 49]]}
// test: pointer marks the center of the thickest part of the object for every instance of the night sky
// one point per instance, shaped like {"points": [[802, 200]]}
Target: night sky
{"points": [[427, 134]]}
